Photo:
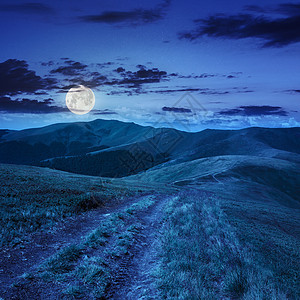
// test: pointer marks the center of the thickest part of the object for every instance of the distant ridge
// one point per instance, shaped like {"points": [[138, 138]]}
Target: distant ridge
{"points": [[116, 149]]}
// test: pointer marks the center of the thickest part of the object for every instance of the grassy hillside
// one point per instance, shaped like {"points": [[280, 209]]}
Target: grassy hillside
{"points": [[31, 146], [207, 215], [204, 256], [85, 147], [281, 177], [227, 234], [33, 199], [260, 198], [233, 231]]}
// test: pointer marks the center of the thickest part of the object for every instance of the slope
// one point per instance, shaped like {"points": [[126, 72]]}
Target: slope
{"points": [[117, 149]]}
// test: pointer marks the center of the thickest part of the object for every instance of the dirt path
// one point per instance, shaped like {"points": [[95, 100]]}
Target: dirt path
{"points": [[25, 257], [135, 278]]}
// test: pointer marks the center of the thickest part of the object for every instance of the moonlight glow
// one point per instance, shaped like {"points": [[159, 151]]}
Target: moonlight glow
{"points": [[80, 100]]}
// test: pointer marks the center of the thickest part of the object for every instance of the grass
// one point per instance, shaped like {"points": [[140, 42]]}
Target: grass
{"points": [[33, 199], [63, 261], [86, 269], [243, 246], [272, 231], [202, 258]]}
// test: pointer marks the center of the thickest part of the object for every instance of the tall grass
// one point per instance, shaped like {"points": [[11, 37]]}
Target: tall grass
{"points": [[202, 258], [33, 199]]}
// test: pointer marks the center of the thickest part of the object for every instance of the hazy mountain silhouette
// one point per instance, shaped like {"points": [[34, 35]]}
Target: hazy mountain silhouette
{"points": [[117, 149]]}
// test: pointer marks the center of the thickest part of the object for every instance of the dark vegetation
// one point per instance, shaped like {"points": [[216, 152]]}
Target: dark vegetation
{"points": [[117, 163]]}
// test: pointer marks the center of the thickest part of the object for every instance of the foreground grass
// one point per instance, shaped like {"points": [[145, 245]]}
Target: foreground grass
{"points": [[86, 269], [202, 258], [32, 199]]}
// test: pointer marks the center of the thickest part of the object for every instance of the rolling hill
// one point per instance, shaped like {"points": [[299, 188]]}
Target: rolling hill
{"points": [[117, 149], [212, 214]]}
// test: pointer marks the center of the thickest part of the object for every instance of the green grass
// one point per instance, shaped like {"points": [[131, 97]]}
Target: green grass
{"points": [[64, 261], [73, 292], [33, 199], [202, 257], [86, 269]]}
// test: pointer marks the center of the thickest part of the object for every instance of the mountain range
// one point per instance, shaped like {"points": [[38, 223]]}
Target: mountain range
{"points": [[216, 209], [118, 149]]}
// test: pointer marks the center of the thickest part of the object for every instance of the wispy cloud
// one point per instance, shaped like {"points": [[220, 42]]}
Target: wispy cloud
{"points": [[288, 9], [31, 7], [46, 106], [71, 68], [131, 17], [104, 112], [253, 110], [295, 91], [274, 31], [176, 109]]}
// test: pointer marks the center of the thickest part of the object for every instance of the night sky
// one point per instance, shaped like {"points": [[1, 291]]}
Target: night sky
{"points": [[185, 64]]}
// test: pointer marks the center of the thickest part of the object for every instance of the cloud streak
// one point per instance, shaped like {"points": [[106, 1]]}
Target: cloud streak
{"points": [[46, 106], [130, 18], [292, 91], [253, 110], [104, 112], [273, 31], [31, 7], [176, 109]]}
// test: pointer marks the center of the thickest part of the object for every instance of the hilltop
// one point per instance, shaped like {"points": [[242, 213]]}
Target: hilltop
{"points": [[117, 149]]}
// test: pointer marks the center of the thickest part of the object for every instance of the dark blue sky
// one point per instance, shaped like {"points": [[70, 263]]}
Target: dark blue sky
{"points": [[189, 64]]}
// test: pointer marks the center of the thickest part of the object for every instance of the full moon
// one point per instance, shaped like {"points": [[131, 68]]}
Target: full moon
{"points": [[80, 100]]}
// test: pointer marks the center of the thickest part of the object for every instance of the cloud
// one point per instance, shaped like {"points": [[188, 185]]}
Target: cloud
{"points": [[207, 75], [120, 80], [104, 112], [49, 63], [143, 75], [16, 78], [255, 8], [170, 91], [292, 91], [132, 17], [204, 75], [203, 91], [105, 65], [289, 9], [72, 68], [77, 73], [176, 109], [120, 70], [95, 80], [135, 79], [200, 91], [29, 106], [253, 110], [35, 8], [90, 80], [62, 75], [274, 31]]}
